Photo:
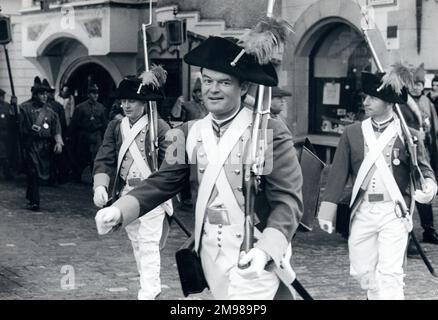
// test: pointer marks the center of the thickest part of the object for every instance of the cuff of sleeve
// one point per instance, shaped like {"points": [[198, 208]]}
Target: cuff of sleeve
{"points": [[274, 243], [129, 207], [101, 179], [327, 211], [58, 139]]}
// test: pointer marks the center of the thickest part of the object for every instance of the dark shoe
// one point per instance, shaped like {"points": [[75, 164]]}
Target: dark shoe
{"points": [[430, 236], [33, 207], [412, 250]]}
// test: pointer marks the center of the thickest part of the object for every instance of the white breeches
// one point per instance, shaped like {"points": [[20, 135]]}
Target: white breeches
{"points": [[377, 246], [145, 234]]}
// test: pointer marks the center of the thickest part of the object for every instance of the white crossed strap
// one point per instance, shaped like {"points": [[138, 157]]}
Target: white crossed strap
{"points": [[128, 135]]}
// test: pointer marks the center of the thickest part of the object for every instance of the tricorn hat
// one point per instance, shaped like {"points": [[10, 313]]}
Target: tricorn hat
{"points": [[129, 86], [392, 86], [46, 84], [93, 88], [38, 87]]}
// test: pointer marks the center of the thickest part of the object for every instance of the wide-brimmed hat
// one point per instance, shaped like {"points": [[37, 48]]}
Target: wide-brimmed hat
{"points": [[218, 54], [277, 92], [128, 89], [38, 86], [372, 85]]}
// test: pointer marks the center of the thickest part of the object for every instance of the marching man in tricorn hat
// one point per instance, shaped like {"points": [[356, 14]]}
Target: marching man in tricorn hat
{"points": [[213, 154], [374, 154], [125, 154]]}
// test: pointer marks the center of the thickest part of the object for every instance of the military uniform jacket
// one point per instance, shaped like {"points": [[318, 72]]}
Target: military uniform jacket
{"points": [[88, 124], [279, 205], [105, 163], [38, 145], [350, 155], [7, 129]]}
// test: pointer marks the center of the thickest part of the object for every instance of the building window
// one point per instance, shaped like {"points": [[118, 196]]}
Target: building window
{"points": [[391, 32]]}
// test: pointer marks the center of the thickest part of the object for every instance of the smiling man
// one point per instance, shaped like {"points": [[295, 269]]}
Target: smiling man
{"points": [[213, 163]]}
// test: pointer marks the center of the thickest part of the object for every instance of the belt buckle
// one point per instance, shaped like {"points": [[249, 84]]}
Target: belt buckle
{"points": [[133, 182], [36, 128], [218, 216], [375, 197]]}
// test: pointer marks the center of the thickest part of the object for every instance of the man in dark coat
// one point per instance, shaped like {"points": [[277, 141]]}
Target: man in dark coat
{"points": [[86, 130], [213, 162], [7, 129], [374, 155], [41, 133]]}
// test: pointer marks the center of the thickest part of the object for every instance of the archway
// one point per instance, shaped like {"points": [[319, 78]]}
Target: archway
{"points": [[92, 73]]}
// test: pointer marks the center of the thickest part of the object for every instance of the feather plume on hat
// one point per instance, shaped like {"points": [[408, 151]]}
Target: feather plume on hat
{"points": [[265, 39], [398, 77], [155, 77]]}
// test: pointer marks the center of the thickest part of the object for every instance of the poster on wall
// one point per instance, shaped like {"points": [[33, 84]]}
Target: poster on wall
{"points": [[331, 93]]}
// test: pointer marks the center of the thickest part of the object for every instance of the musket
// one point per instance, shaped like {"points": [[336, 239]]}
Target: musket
{"points": [[152, 106], [411, 143], [252, 172]]}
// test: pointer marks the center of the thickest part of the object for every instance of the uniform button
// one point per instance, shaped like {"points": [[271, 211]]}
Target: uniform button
{"points": [[219, 232], [239, 235], [219, 245], [237, 171], [242, 138], [239, 154], [219, 239], [239, 189], [388, 154], [123, 167], [201, 154], [141, 140], [201, 170], [142, 149], [199, 140], [143, 131], [220, 226]]}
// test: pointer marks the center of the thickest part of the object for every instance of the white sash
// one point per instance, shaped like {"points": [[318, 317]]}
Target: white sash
{"points": [[381, 165], [128, 135], [216, 154], [375, 150]]}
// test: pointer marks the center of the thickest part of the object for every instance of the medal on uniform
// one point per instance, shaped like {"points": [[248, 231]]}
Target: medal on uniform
{"points": [[396, 153], [46, 125], [2, 115]]}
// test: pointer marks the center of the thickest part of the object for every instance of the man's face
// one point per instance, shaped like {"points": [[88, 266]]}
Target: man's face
{"points": [[375, 107], [93, 96], [221, 93], [417, 89], [435, 86], [42, 96], [278, 104], [133, 109]]}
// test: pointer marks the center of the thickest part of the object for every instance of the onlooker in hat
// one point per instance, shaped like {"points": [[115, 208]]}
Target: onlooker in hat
{"points": [[430, 129], [116, 112], [433, 95], [86, 131], [60, 167], [130, 136], [195, 108], [66, 99], [7, 137], [278, 103], [41, 133]]}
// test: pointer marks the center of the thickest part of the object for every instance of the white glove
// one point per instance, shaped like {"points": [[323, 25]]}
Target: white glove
{"points": [[326, 225], [100, 196], [428, 193], [257, 260], [108, 219]]}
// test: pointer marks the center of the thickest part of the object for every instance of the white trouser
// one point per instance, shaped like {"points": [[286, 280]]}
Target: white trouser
{"points": [[377, 246], [220, 268], [145, 234]]}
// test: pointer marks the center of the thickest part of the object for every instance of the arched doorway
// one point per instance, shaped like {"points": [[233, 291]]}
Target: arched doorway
{"points": [[335, 65], [92, 73]]}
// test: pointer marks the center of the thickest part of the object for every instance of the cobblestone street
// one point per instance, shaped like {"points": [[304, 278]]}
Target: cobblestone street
{"points": [[40, 251]]}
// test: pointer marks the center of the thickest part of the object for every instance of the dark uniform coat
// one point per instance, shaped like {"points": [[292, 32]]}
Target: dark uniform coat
{"points": [[106, 158], [38, 146], [86, 130], [7, 130]]}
